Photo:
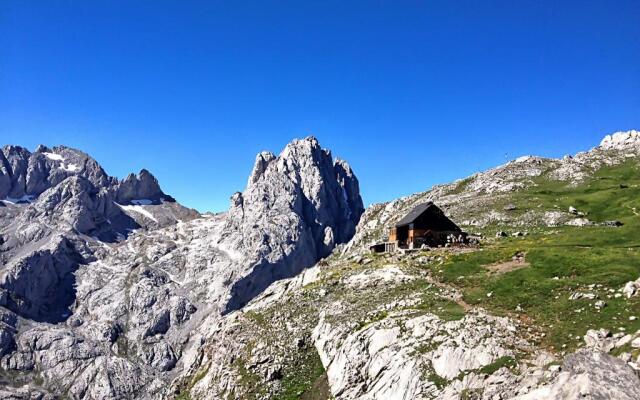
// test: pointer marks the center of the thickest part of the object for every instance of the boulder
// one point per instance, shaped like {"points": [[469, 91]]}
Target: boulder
{"points": [[600, 339], [630, 288]]}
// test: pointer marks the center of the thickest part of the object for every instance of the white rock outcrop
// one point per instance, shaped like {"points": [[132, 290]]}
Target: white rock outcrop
{"points": [[621, 140], [386, 359], [592, 375]]}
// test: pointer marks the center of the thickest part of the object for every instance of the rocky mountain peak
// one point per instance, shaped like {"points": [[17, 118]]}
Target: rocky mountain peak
{"points": [[309, 145], [41, 148], [14, 161], [24, 174], [304, 154], [262, 161], [351, 190], [304, 177], [295, 209], [143, 186]]}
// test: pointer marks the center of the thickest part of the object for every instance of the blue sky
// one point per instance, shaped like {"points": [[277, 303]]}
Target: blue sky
{"points": [[411, 93]]}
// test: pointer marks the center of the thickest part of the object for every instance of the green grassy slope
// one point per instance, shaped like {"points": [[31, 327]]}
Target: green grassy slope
{"points": [[563, 260]]}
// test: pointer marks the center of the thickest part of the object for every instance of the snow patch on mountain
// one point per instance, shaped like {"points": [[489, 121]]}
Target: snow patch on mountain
{"points": [[20, 200], [138, 209], [53, 156], [70, 167]]}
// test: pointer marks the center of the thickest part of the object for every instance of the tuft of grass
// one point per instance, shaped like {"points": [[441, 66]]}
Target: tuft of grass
{"points": [[508, 362], [469, 264], [437, 380], [256, 317], [445, 309], [301, 378], [249, 383], [185, 394], [469, 394], [379, 316], [461, 186]]}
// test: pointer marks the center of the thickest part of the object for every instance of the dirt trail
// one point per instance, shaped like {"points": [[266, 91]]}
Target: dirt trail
{"points": [[455, 294], [518, 261]]}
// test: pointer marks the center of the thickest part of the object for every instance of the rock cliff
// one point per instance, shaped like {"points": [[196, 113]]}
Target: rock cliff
{"points": [[109, 287]]}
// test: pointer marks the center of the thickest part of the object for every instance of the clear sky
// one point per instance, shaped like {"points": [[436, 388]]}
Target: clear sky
{"points": [[411, 93]]}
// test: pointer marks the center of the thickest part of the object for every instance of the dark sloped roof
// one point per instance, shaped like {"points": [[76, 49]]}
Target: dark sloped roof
{"points": [[415, 213], [428, 215]]}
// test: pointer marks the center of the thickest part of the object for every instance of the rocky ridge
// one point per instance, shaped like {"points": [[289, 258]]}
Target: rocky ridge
{"points": [[144, 277], [490, 191], [232, 306]]}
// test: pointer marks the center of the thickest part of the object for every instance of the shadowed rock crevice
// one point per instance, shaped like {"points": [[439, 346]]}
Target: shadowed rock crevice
{"points": [[41, 287], [262, 275]]}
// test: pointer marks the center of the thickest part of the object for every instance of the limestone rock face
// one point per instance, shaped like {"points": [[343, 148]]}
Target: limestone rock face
{"points": [[77, 204], [59, 210], [15, 160], [593, 375], [39, 286], [33, 173], [144, 186], [25, 175], [109, 289], [384, 360], [351, 194], [330, 193], [295, 209]]}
